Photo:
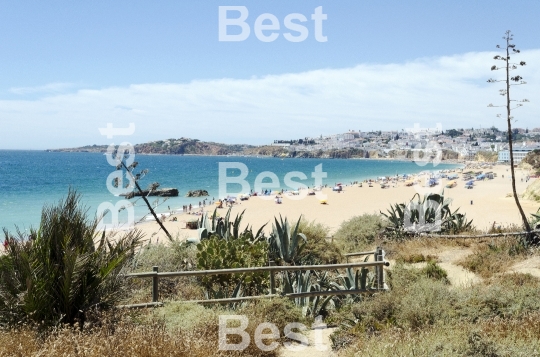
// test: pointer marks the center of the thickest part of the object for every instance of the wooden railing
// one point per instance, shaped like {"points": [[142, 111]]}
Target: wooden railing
{"points": [[378, 264]]}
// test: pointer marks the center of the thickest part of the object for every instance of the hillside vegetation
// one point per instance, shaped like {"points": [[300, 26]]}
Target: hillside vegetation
{"points": [[486, 156], [531, 162], [182, 146]]}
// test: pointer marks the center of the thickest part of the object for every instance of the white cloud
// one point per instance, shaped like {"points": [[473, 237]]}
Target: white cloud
{"points": [[46, 89], [450, 90]]}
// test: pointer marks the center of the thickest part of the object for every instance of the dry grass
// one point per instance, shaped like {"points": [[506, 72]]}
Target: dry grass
{"points": [[494, 257], [424, 317], [414, 258], [421, 249], [490, 338], [129, 337]]}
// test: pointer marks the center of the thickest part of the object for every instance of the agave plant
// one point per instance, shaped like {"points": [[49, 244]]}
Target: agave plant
{"points": [[430, 213], [225, 228], [60, 272], [363, 279], [535, 220], [304, 282], [286, 243]]}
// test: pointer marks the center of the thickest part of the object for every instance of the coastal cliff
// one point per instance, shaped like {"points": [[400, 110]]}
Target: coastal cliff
{"points": [[182, 146], [186, 146]]}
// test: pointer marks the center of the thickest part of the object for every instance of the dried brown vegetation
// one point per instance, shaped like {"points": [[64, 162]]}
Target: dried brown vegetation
{"points": [[494, 257], [125, 339]]}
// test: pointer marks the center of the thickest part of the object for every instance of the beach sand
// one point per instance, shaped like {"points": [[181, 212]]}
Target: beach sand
{"points": [[489, 203]]}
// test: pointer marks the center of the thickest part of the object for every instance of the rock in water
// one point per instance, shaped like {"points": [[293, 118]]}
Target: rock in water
{"points": [[162, 192], [197, 193]]}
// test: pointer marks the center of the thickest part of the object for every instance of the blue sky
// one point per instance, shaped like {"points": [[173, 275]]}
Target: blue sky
{"points": [[71, 67]]}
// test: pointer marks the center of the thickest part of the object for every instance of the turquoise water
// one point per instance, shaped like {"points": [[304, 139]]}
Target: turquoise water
{"points": [[31, 179]]}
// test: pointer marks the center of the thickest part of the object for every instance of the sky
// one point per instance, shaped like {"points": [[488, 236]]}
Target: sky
{"points": [[69, 68]]}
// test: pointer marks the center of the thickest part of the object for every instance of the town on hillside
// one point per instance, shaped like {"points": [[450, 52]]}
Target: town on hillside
{"points": [[466, 143]]}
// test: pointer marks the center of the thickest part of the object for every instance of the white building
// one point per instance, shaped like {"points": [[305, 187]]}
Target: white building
{"points": [[519, 154]]}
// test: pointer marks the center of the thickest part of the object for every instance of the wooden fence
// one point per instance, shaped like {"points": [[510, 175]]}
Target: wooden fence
{"points": [[378, 264]]}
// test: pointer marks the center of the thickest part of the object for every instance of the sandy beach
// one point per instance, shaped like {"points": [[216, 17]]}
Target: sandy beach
{"points": [[490, 203]]}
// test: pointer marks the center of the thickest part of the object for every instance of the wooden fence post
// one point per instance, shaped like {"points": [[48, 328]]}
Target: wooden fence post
{"points": [[376, 259], [155, 285], [380, 272], [272, 278]]}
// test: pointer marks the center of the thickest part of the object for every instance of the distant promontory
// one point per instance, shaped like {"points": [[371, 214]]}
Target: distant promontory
{"points": [[187, 146]]}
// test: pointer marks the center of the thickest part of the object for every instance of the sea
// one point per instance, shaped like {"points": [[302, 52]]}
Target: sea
{"points": [[30, 180]]}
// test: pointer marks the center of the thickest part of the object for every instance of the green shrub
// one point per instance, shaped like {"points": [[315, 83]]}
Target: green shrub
{"points": [[506, 297], [360, 232], [415, 301], [426, 303], [421, 316], [478, 346], [172, 256], [434, 271], [60, 273], [217, 253], [318, 250], [279, 311]]}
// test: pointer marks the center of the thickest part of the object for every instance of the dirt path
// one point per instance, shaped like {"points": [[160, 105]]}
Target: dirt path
{"points": [[528, 266], [319, 345], [458, 276], [448, 259]]}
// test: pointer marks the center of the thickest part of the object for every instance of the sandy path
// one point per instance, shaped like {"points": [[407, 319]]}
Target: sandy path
{"points": [[457, 275], [528, 266], [447, 259], [314, 349]]}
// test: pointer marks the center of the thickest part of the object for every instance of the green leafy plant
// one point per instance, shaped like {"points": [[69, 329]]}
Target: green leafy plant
{"points": [[360, 232], [286, 243], [215, 253], [319, 249], [61, 271]]}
